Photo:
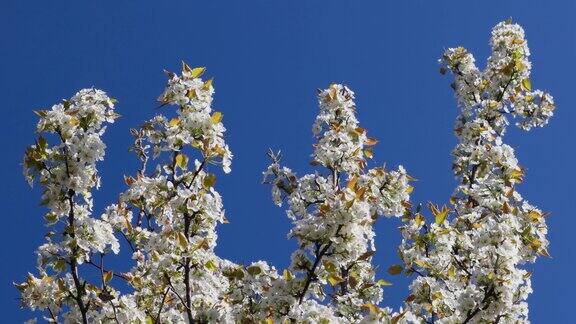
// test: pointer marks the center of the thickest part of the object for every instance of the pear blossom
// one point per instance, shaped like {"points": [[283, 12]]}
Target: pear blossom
{"points": [[467, 264], [333, 214], [471, 266], [67, 172]]}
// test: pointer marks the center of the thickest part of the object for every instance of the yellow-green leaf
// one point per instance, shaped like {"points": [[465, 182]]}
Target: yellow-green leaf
{"points": [[517, 174], [534, 215], [254, 270], [437, 295], [535, 244], [40, 113], [211, 265], [181, 161], [216, 117], [51, 217], [422, 263], [419, 220], [439, 214], [330, 267], [198, 71], [182, 240], [209, 180], [334, 279], [21, 286], [191, 94], [527, 84], [60, 265], [383, 282], [107, 276], [519, 65], [74, 121], [544, 252], [174, 122], [352, 182], [373, 309], [208, 84], [288, 275], [128, 225], [451, 272]]}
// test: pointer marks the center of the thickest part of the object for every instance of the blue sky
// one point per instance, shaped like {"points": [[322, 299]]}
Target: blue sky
{"points": [[268, 58]]}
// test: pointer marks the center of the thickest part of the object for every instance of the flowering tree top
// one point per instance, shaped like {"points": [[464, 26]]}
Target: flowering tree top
{"points": [[465, 258]]}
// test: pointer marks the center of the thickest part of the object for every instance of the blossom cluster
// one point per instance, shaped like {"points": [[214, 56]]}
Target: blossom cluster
{"points": [[333, 214], [469, 265], [67, 173], [466, 262], [169, 214]]}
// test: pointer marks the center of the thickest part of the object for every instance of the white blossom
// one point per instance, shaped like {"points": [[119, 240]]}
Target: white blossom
{"points": [[467, 264]]}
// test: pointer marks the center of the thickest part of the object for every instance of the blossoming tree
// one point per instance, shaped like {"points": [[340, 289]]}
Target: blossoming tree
{"points": [[465, 259]]}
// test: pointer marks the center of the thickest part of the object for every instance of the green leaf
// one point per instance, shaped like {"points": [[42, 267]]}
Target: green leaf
{"points": [[368, 153], [60, 265], [51, 217]]}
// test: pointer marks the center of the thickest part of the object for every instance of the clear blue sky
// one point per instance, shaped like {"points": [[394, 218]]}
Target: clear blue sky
{"points": [[268, 58]]}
